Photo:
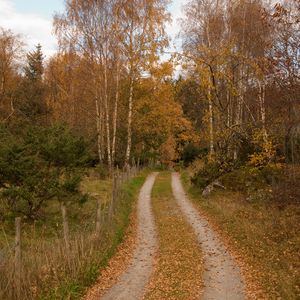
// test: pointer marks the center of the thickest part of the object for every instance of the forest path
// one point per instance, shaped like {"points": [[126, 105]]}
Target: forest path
{"points": [[132, 283], [222, 279]]}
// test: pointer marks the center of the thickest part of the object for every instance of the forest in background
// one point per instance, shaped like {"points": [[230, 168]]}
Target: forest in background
{"points": [[226, 105], [235, 96], [238, 84], [106, 98]]}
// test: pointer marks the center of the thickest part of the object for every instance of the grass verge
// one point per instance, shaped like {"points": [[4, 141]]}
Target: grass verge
{"points": [[106, 248], [178, 270], [48, 272], [266, 237]]}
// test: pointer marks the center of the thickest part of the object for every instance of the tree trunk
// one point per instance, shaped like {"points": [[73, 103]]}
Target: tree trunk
{"points": [[129, 128], [228, 119], [211, 126], [102, 122], [262, 109], [99, 131], [113, 153], [107, 119]]}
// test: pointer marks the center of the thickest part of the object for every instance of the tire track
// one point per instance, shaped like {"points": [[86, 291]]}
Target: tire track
{"points": [[222, 279], [132, 283]]}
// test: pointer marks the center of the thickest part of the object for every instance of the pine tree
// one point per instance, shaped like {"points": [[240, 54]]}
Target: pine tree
{"points": [[35, 69], [32, 102]]}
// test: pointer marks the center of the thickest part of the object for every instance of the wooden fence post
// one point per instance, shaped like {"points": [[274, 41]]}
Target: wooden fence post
{"points": [[138, 164], [98, 217], [18, 258], [111, 204], [65, 228], [117, 188]]}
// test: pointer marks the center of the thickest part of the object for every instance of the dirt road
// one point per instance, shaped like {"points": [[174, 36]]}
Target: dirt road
{"points": [[222, 279], [132, 283]]}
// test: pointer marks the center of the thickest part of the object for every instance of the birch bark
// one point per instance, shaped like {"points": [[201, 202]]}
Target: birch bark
{"points": [[115, 116], [129, 125]]}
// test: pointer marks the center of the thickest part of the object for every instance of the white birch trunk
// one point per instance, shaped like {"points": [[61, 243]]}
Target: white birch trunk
{"points": [[129, 128], [99, 131], [107, 118], [113, 152], [211, 126], [262, 109], [102, 137]]}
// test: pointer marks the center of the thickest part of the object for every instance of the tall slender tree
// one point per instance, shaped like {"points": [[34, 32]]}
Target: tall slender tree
{"points": [[10, 52], [108, 34]]}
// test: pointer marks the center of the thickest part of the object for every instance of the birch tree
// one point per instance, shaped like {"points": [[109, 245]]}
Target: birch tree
{"points": [[87, 27], [114, 35], [10, 51], [225, 44], [144, 37]]}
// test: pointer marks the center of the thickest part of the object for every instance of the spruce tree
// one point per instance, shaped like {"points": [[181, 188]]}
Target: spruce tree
{"points": [[31, 96], [35, 69]]}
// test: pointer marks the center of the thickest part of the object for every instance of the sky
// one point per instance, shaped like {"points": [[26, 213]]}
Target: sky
{"points": [[33, 20]]}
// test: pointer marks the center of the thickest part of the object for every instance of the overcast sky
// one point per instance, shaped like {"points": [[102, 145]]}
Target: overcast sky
{"points": [[33, 20]]}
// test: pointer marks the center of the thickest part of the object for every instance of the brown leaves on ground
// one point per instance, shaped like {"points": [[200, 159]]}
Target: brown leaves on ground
{"points": [[253, 289], [178, 269], [117, 265], [251, 233]]}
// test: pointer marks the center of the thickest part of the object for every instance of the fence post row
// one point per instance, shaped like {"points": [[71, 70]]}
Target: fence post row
{"points": [[118, 179]]}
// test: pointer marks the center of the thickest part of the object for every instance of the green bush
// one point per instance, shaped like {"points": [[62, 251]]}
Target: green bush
{"points": [[245, 177], [210, 172], [254, 183], [101, 171], [38, 165], [191, 152]]}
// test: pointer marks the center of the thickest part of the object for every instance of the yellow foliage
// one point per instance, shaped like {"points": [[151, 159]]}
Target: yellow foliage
{"points": [[267, 153], [168, 151], [159, 121]]}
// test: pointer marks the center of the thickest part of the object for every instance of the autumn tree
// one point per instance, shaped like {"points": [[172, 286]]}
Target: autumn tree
{"points": [[10, 52], [144, 37], [93, 21], [161, 131], [285, 76], [69, 96], [225, 44], [192, 99], [119, 37]]}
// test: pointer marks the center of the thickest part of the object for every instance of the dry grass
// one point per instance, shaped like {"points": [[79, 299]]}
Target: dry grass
{"points": [[196, 166], [117, 265], [266, 236], [49, 272], [92, 185], [178, 270]]}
